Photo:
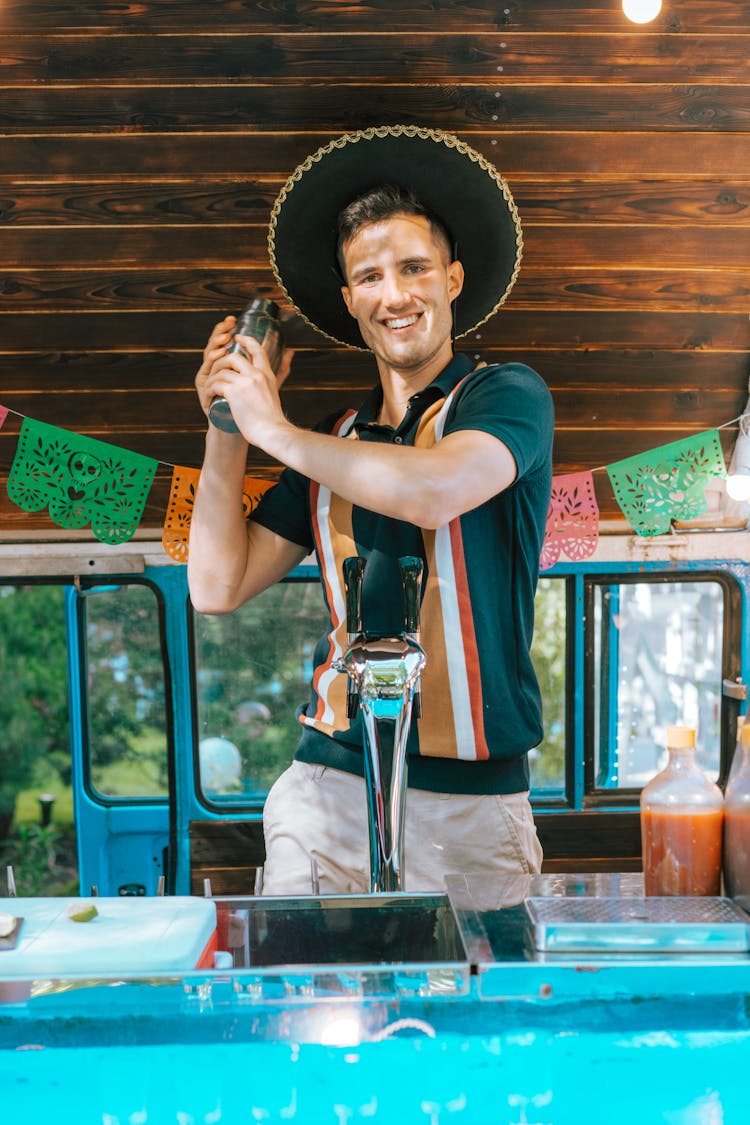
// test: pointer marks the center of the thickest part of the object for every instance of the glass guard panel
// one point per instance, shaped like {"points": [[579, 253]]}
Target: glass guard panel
{"points": [[347, 929], [657, 663], [127, 725], [548, 653], [253, 669]]}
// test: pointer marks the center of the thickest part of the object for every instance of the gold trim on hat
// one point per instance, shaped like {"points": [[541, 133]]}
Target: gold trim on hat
{"points": [[450, 140]]}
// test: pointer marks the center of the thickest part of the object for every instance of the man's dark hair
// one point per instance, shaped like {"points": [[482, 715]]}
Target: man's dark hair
{"points": [[383, 202]]}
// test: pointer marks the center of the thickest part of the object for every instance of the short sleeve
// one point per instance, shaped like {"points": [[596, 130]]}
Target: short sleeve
{"points": [[284, 509], [511, 402]]}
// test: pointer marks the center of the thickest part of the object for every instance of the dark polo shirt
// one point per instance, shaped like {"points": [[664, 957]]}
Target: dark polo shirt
{"points": [[501, 543]]}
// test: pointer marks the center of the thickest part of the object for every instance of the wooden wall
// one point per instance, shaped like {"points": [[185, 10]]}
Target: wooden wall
{"points": [[144, 142]]}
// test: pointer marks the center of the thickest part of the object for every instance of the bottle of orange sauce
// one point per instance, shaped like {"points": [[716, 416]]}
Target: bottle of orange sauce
{"points": [[682, 818]]}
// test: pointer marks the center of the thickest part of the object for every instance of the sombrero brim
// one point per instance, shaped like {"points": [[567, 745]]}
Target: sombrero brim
{"points": [[450, 178]]}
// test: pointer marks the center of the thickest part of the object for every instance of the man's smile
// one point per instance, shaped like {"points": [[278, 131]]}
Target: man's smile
{"points": [[402, 321], [400, 292]]}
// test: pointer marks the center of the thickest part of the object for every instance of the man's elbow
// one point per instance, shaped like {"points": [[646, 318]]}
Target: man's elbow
{"points": [[209, 606], [208, 609], [436, 507], [211, 599], [432, 512], [439, 501], [433, 521]]}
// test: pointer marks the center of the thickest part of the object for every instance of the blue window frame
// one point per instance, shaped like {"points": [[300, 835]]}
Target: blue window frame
{"points": [[661, 649], [581, 648], [579, 655]]}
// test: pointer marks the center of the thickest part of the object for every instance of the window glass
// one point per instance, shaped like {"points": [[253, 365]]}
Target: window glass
{"points": [[253, 670], [548, 653], [657, 663], [127, 733], [35, 741]]}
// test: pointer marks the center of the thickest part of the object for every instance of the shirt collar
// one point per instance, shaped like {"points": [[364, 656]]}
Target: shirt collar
{"points": [[440, 387]]}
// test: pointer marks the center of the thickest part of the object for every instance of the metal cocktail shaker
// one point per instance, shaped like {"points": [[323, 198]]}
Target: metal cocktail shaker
{"points": [[261, 321]]}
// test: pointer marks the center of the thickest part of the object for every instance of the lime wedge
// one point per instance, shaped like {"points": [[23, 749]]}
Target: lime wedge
{"points": [[7, 924], [82, 911]]}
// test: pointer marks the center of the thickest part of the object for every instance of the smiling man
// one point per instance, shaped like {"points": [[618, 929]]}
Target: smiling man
{"points": [[392, 239], [400, 281]]}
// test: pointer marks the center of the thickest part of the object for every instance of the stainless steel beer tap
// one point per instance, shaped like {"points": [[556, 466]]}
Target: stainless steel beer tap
{"points": [[383, 681]]}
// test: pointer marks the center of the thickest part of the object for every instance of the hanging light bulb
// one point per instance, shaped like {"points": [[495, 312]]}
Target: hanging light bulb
{"points": [[641, 11], [738, 476]]}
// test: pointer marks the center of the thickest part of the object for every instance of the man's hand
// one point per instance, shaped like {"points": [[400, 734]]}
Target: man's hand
{"points": [[217, 345], [247, 382]]}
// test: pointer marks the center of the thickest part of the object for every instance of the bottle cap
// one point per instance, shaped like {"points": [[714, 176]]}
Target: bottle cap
{"points": [[681, 738]]}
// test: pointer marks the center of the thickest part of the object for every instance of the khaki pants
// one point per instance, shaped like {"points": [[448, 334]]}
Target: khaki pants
{"points": [[321, 813]]}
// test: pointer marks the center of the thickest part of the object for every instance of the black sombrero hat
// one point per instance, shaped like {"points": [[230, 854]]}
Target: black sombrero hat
{"points": [[447, 176]]}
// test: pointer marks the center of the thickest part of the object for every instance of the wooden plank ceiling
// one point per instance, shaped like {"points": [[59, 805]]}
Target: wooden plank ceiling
{"points": [[144, 143]]}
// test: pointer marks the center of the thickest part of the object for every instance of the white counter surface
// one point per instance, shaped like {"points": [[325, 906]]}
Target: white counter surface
{"points": [[129, 935]]}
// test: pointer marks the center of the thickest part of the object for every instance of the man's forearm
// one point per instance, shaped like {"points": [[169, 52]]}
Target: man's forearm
{"points": [[399, 481], [218, 539]]}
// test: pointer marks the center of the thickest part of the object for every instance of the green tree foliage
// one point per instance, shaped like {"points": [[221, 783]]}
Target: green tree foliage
{"points": [[548, 654], [126, 694], [33, 689], [253, 670], [32, 852]]}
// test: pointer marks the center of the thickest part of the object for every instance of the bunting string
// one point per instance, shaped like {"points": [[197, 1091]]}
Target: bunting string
{"points": [[82, 480]]}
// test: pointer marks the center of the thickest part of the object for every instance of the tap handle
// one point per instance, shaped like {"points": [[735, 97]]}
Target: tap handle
{"points": [[411, 577], [354, 572]]}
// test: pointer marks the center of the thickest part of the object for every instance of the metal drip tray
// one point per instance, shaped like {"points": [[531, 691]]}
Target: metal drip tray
{"points": [[635, 925]]}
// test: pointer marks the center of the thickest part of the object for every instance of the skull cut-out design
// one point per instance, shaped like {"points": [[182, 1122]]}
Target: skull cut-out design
{"points": [[81, 481]]}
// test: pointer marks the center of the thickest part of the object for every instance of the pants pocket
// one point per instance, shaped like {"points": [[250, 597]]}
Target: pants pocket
{"points": [[520, 831]]}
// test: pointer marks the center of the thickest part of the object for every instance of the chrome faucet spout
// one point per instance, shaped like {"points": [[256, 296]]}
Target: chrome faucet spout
{"points": [[384, 673], [383, 684]]}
